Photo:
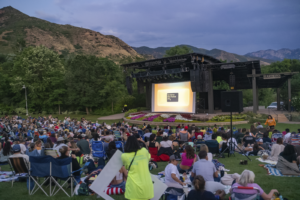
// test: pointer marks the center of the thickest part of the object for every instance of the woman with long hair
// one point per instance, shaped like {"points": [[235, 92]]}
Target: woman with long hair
{"points": [[187, 160], [32, 151], [136, 160], [152, 142], [200, 193], [111, 149], [5, 152], [49, 141], [289, 154], [270, 122]]}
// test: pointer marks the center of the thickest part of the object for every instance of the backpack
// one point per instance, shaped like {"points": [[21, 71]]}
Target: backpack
{"points": [[98, 149], [83, 189], [120, 145]]}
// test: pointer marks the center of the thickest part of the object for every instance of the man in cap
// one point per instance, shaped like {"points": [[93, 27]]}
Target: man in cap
{"points": [[172, 177], [16, 149]]}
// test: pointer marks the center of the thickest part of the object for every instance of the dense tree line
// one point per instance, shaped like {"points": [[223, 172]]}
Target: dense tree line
{"points": [[57, 83]]}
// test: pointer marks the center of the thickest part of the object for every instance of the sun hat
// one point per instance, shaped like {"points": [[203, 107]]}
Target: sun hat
{"points": [[261, 140], [60, 139], [165, 134], [199, 137]]}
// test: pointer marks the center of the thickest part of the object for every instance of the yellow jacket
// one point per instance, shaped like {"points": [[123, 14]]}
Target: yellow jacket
{"points": [[270, 122]]}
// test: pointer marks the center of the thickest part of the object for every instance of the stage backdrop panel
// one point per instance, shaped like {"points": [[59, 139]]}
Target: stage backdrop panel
{"points": [[173, 97]]}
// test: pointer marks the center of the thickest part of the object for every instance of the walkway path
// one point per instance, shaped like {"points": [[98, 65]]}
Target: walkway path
{"points": [[282, 118], [112, 117]]}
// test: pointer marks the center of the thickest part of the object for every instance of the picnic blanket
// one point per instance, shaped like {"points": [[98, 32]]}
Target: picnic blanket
{"points": [[6, 176], [267, 161], [275, 172]]}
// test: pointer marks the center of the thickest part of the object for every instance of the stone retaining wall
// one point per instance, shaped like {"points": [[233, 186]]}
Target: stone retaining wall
{"points": [[185, 123]]}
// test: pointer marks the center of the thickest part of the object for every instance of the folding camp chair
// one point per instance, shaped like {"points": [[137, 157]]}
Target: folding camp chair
{"points": [[18, 165], [295, 140], [61, 169], [117, 134], [51, 152], [213, 147], [240, 196], [40, 166]]}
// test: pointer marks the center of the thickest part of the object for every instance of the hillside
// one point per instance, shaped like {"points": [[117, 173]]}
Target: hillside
{"points": [[15, 25], [276, 55], [219, 54]]}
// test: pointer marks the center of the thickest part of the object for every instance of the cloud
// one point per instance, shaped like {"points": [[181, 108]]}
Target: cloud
{"points": [[232, 25]]}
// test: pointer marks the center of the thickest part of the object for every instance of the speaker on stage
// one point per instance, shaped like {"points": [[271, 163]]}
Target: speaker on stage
{"points": [[232, 101]]}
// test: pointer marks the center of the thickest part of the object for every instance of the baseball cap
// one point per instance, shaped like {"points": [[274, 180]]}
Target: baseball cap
{"points": [[261, 140], [16, 148], [165, 134], [186, 127], [172, 157]]}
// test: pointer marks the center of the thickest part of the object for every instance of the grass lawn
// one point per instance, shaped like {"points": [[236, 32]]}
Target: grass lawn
{"points": [[287, 186]]}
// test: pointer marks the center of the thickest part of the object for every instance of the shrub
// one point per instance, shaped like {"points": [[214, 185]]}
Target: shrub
{"points": [[20, 110], [130, 111], [141, 108]]}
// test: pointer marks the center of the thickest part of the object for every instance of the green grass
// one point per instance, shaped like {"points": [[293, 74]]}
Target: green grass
{"points": [[287, 186]]}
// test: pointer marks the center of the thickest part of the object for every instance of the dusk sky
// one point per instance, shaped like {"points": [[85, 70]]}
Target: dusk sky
{"points": [[237, 26]]}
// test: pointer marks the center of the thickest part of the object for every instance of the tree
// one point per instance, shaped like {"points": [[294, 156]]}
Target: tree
{"points": [[178, 50], [37, 68], [93, 82]]}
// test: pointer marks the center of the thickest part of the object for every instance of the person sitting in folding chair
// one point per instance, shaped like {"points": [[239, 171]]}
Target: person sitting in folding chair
{"points": [[17, 153], [64, 151], [247, 180]]}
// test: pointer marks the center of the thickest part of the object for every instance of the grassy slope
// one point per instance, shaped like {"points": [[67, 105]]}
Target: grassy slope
{"points": [[287, 186]]}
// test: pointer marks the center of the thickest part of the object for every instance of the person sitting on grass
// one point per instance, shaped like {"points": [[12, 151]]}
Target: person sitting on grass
{"points": [[203, 147], [172, 178], [276, 150], [247, 180], [205, 168], [165, 143], [152, 142], [266, 137], [200, 192], [187, 160], [248, 142]]}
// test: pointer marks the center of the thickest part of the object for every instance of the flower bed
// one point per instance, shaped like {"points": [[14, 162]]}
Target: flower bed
{"points": [[151, 118], [138, 116], [170, 119]]}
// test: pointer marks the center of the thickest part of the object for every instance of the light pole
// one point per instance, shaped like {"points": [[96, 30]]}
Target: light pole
{"points": [[25, 99]]}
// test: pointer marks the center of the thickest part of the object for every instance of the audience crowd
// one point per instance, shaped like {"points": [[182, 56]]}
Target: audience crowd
{"points": [[146, 145]]}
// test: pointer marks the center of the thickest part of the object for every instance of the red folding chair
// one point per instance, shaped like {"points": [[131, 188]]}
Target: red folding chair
{"points": [[237, 195]]}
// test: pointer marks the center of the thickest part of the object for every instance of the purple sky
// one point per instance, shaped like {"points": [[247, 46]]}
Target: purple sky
{"points": [[238, 26]]}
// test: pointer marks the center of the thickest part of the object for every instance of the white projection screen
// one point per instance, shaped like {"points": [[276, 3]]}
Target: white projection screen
{"points": [[173, 97]]}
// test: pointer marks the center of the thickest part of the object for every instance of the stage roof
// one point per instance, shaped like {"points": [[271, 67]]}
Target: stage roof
{"points": [[167, 69]]}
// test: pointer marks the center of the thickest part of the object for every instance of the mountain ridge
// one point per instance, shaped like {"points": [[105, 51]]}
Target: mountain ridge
{"points": [[16, 25], [277, 55], [217, 53]]}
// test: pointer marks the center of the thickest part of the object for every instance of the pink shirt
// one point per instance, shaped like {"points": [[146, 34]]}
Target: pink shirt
{"points": [[246, 191], [185, 161]]}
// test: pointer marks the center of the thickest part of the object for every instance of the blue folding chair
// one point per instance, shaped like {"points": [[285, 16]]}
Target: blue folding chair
{"points": [[62, 169], [40, 166]]}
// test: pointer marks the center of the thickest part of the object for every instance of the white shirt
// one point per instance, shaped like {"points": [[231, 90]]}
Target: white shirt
{"points": [[57, 147], [23, 148], [166, 144], [147, 134], [287, 137], [169, 181]]}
